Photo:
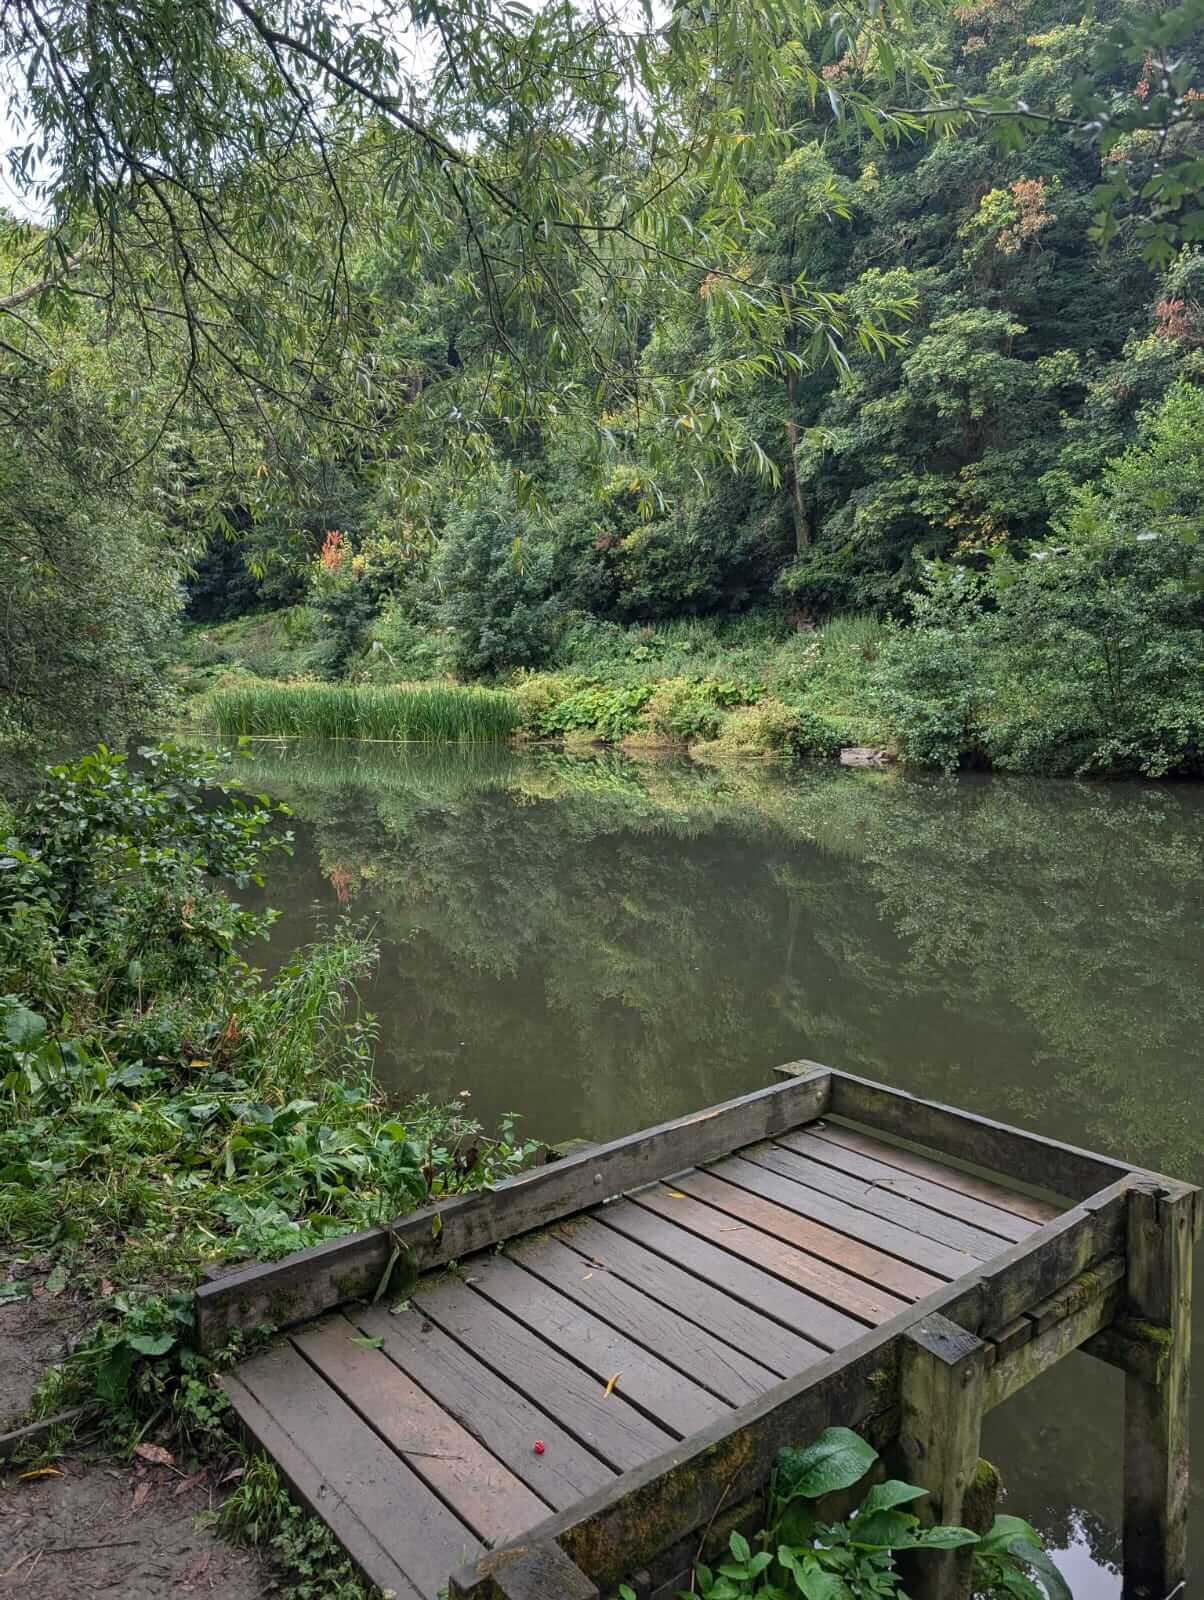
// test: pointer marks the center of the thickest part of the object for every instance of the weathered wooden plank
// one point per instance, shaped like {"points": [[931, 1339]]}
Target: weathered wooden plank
{"points": [[942, 1385], [725, 1371], [927, 1254], [340, 1469], [783, 1158], [1090, 1305], [487, 1497], [676, 1402], [312, 1281], [904, 1282], [748, 1233], [738, 1244], [1015, 1153], [536, 1572], [949, 1201], [739, 1279], [1011, 1336], [506, 1423], [606, 1424], [1038, 1266], [775, 1347], [652, 1507], [1157, 1447], [1086, 1286], [895, 1155]]}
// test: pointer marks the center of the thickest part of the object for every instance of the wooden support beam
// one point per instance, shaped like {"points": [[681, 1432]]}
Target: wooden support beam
{"points": [[1133, 1346], [1004, 1288], [1161, 1232], [1025, 1157], [312, 1281], [942, 1388], [1008, 1338], [1086, 1305], [529, 1572]]}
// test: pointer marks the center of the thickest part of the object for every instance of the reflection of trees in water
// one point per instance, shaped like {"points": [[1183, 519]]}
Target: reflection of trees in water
{"points": [[601, 944], [1028, 948]]}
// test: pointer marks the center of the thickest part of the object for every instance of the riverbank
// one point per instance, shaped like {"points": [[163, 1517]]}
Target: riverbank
{"points": [[1011, 678], [166, 1112], [719, 693]]}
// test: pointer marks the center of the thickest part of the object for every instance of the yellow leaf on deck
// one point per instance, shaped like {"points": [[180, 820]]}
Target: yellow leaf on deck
{"points": [[610, 1387], [676, 1194]]}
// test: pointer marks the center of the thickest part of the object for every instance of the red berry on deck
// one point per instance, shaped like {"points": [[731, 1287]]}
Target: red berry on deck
{"points": [[539, 1447]]}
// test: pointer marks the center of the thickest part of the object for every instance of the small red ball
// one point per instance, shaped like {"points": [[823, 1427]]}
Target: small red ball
{"points": [[539, 1447]]}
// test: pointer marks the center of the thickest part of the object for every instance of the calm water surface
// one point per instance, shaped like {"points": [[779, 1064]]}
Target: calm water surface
{"points": [[599, 944]]}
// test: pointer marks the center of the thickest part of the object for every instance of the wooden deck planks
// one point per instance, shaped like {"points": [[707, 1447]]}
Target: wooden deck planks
{"points": [[928, 1254], [629, 1336], [718, 1367], [676, 1402], [842, 1301], [1020, 1205], [607, 1424], [950, 1202], [504, 1420], [764, 1291], [483, 1494], [343, 1471], [779, 1350], [901, 1280], [877, 1203]]}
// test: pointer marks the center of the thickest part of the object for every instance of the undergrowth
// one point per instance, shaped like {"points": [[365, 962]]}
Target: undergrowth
{"points": [[163, 1108]]}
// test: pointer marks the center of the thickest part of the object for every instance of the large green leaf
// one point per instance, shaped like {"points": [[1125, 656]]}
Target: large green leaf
{"points": [[24, 1028], [894, 1492], [837, 1460]]}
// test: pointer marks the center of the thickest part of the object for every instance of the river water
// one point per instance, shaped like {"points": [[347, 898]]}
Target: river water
{"points": [[598, 944]]}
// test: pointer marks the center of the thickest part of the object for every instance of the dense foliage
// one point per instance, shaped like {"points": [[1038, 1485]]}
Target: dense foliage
{"points": [[761, 316], [162, 1106]]}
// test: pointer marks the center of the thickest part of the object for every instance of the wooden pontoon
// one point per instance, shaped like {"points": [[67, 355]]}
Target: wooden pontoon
{"points": [[602, 1357]]}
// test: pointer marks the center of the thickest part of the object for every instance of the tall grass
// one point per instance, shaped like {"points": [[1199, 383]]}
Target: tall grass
{"points": [[436, 714]]}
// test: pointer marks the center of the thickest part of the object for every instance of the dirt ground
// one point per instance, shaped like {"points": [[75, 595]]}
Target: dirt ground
{"points": [[93, 1527], [127, 1532], [33, 1334]]}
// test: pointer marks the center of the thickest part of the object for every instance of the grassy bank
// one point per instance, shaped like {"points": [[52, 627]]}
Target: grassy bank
{"points": [[430, 713], [747, 688]]}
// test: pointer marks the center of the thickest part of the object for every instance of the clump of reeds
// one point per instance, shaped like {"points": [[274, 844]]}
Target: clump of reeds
{"points": [[434, 713]]}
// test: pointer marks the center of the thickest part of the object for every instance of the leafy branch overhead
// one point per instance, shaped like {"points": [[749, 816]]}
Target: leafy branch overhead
{"points": [[249, 185]]}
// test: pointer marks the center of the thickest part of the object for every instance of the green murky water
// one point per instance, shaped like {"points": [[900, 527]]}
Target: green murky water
{"points": [[600, 944]]}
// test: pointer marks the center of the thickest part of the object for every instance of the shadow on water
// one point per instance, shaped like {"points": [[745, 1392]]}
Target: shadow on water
{"points": [[599, 944]]}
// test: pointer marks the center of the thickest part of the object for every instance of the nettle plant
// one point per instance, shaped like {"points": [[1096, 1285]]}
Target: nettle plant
{"points": [[800, 1554]]}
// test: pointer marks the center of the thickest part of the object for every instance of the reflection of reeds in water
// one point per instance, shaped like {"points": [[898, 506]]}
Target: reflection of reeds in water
{"points": [[439, 771], [436, 713]]}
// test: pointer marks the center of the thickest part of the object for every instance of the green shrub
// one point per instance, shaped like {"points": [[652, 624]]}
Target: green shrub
{"points": [[929, 685], [610, 711], [683, 710], [494, 580]]}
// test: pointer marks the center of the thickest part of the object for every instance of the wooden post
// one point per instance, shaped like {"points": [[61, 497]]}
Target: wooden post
{"points": [[1161, 1234], [942, 1391], [533, 1572]]}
